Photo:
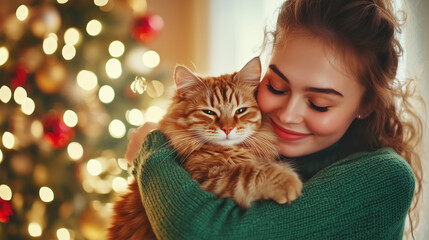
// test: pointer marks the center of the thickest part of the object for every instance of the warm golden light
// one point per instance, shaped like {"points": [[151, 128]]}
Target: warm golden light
{"points": [[117, 128], [94, 27], [46, 194], [4, 55], [106, 94], [75, 150], [50, 44], [19, 95], [63, 234], [1, 156], [101, 3], [123, 164], [72, 36], [94, 167], [70, 118], [113, 68], [5, 192], [34, 229], [116, 48], [68, 52], [36, 129], [62, 1], [28, 106], [151, 59], [22, 12], [5, 94], [87, 80], [154, 114], [8, 140], [155, 89], [119, 185], [135, 117]]}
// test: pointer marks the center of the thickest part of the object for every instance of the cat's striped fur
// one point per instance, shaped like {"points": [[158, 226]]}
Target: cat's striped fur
{"points": [[224, 142]]}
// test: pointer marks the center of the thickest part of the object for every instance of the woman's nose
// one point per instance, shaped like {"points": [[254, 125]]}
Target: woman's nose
{"points": [[292, 112]]}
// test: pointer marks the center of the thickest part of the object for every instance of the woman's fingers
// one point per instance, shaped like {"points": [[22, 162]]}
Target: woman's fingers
{"points": [[137, 138]]}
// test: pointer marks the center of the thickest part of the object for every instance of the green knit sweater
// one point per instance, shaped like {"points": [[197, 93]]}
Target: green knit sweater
{"points": [[363, 196]]}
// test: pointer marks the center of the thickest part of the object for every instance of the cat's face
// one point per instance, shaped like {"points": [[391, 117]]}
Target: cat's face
{"points": [[224, 115], [220, 110]]}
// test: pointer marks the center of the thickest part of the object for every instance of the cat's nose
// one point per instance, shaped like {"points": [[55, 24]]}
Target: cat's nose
{"points": [[227, 129]]}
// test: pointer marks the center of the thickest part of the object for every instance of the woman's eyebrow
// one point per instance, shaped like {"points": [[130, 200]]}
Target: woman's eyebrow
{"points": [[324, 90], [308, 89], [277, 71]]}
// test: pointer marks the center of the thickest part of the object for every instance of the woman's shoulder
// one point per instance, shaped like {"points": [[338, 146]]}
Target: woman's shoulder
{"points": [[384, 161], [382, 172]]}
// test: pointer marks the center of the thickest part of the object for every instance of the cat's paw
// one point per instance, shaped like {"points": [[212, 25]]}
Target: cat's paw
{"points": [[286, 187]]}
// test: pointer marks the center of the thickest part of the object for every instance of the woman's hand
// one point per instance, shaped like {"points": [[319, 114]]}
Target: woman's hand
{"points": [[136, 140]]}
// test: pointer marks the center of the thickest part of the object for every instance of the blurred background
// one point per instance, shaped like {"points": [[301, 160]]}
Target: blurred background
{"points": [[77, 76]]}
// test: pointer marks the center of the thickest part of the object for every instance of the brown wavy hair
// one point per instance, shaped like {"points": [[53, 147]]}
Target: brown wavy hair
{"points": [[367, 30]]}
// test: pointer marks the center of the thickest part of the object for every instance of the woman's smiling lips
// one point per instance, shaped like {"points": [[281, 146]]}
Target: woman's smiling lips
{"points": [[288, 135]]}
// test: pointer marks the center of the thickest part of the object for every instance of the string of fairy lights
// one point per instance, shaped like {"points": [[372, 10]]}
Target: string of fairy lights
{"points": [[101, 174]]}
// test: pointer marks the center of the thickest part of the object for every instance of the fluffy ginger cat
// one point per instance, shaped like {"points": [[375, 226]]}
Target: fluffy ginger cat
{"points": [[223, 141]]}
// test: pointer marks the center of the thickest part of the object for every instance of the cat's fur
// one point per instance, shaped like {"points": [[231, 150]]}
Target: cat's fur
{"points": [[224, 142]]}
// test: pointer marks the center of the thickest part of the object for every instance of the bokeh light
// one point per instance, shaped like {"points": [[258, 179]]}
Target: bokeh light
{"points": [[5, 192], [101, 3], [119, 185], [19, 95], [154, 114], [155, 89], [151, 59], [87, 80], [8, 140], [72, 36], [34, 229], [22, 12], [113, 68], [63, 234], [75, 150], [117, 128], [28, 106], [68, 52], [4, 55], [5, 94], [46, 194], [94, 167], [62, 1], [70, 118], [50, 44], [116, 48], [135, 117], [106, 94], [94, 27]]}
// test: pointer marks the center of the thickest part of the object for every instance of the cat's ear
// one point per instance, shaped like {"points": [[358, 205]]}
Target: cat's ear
{"points": [[185, 80], [250, 74]]}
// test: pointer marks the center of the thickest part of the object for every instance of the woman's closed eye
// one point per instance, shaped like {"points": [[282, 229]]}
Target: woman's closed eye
{"points": [[318, 108], [275, 91]]}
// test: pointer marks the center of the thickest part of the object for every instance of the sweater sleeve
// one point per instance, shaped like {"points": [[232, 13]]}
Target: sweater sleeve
{"points": [[364, 196]]}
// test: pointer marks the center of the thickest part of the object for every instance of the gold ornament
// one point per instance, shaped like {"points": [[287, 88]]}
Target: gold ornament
{"points": [[51, 77]]}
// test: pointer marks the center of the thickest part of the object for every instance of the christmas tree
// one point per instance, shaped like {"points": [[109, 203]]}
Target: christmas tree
{"points": [[76, 78]]}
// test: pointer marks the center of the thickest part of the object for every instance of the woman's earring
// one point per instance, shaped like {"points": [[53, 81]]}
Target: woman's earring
{"points": [[359, 116]]}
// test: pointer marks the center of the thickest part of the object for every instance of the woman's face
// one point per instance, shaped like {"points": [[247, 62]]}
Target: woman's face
{"points": [[309, 96]]}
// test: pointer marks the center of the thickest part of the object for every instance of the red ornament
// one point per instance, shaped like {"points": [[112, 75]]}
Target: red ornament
{"points": [[19, 77], [56, 132], [5, 210], [146, 28]]}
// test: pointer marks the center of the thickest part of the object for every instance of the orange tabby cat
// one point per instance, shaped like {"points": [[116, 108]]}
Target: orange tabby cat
{"points": [[224, 142]]}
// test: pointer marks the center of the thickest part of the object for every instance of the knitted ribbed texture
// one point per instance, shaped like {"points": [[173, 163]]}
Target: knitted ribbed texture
{"points": [[363, 196]]}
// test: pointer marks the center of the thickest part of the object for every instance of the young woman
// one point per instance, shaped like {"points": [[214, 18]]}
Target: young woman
{"points": [[340, 115]]}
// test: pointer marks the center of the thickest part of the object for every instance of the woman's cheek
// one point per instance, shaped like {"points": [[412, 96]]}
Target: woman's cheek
{"points": [[327, 125]]}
